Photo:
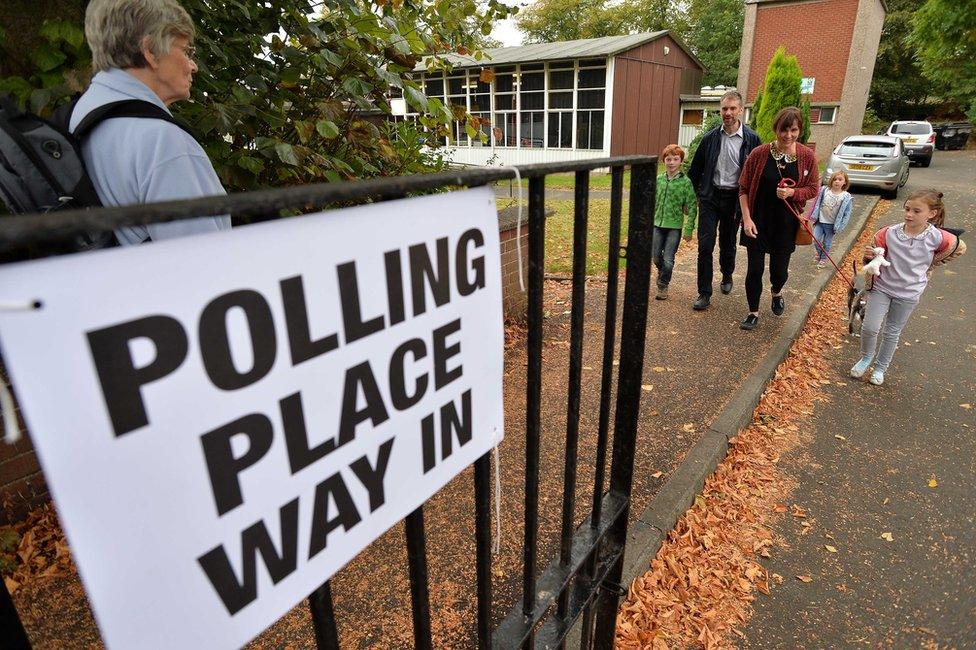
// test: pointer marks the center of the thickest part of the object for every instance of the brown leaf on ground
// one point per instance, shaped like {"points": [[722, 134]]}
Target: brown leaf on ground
{"points": [[34, 548], [699, 589]]}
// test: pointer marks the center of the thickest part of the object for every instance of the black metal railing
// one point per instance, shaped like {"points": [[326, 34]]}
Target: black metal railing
{"points": [[582, 582]]}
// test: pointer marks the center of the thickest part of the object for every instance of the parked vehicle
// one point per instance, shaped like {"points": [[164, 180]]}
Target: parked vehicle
{"points": [[953, 135], [918, 139], [878, 161]]}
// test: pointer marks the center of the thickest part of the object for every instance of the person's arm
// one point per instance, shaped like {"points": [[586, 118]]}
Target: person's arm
{"points": [[745, 182], [698, 163], [691, 206], [846, 207], [952, 247]]}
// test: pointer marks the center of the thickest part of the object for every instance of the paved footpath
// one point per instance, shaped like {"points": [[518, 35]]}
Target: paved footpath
{"points": [[907, 467]]}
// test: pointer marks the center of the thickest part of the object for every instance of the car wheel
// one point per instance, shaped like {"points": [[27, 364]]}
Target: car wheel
{"points": [[925, 162], [891, 195]]}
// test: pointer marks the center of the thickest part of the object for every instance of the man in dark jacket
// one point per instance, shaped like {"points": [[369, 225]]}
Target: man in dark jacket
{"points": [[715, 174]]}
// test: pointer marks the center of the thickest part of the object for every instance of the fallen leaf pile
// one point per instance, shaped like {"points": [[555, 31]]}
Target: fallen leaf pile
{"points": [[34, 548], [700, 586]]}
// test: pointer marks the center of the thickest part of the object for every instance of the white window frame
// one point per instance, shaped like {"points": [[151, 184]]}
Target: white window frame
{"points": [[833, 117]]}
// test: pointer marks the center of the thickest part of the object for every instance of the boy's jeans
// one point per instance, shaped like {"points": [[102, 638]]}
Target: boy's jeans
{"points": [[663, 248], [824, 232]]}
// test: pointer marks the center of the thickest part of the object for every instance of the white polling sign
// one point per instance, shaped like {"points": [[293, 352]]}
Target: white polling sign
{"points": [[226, 420]]}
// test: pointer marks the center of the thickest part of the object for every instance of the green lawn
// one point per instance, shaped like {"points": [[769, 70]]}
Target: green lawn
{"points": [[598, 181], [559, 237]]}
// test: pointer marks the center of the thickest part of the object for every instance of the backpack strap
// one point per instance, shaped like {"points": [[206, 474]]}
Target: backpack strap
{"points": [[126, 108]]}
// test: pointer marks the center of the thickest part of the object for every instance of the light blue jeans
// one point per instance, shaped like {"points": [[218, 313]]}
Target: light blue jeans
{"points": [[663, 249], [897, 311], [824, 232]]}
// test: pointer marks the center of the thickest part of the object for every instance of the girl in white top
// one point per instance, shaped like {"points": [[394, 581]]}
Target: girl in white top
{"points": [[912, 247], [830, 214]]}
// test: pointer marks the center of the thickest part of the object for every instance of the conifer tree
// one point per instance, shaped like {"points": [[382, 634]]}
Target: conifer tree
{"points": [[781, 88], [805, 129]]}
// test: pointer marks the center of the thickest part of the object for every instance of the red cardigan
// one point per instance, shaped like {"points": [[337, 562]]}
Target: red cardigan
{"points": [[806, 188]]}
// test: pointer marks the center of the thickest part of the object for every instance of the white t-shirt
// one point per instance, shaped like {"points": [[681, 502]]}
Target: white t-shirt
{"points": [[830, 206]]}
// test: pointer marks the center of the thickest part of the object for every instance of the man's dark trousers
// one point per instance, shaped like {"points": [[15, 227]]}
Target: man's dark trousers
{"points": [[716, 213]]}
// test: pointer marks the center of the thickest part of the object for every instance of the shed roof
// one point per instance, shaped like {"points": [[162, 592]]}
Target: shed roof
{"points": [[580, 49]]}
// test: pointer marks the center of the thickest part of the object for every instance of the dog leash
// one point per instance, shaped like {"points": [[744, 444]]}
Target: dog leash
{"points": [[789, 182]]}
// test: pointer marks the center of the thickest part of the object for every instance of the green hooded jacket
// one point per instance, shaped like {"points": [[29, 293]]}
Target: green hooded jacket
{"points": [[673, 198]]}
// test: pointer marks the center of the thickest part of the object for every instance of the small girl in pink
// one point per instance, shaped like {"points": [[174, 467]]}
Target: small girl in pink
{"points": [[912, 247]]}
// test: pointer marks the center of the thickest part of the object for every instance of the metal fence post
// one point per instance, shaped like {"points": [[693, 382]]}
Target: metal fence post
{"points": [[633, 331]]}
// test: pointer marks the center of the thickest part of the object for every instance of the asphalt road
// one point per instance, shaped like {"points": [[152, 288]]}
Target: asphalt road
{"points": [[907, 467]]}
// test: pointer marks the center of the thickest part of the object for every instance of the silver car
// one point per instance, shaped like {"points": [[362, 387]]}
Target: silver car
{"points": [[878, 161]]}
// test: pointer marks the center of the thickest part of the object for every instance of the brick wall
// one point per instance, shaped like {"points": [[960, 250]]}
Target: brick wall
{"points": [[513, 298], [22, 485], [818, 32]]}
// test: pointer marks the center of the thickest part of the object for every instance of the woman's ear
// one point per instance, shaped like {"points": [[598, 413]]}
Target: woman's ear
{"points": [[151, 59]]}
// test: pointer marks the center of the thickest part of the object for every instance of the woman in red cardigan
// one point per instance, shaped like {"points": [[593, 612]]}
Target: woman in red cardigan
{"points": [[768, 226]]}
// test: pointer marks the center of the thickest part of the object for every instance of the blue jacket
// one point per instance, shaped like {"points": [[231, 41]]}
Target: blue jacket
{"points": [[702, 168], [843, 213]]}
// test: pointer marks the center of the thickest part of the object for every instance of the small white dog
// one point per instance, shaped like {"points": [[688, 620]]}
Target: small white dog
{"points": [[874, 266]]}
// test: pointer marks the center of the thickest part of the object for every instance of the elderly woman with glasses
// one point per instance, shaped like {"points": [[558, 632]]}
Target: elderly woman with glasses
{"points": [[142, 50]]}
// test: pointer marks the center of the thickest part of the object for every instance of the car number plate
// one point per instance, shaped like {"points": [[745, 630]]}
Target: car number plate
{"points": [[911, 140], [861, 168]]}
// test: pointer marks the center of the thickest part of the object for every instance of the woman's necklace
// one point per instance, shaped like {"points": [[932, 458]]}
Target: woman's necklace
{"points": [[782, 158]]}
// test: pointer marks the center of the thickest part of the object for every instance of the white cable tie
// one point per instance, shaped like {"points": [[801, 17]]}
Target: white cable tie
{"points": [[518, 225], [23, 305], [11, 432], [497, 545]]}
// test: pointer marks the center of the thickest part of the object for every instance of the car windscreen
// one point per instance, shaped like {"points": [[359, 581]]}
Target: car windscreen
{"points": [[867, 149], [911, 129]]}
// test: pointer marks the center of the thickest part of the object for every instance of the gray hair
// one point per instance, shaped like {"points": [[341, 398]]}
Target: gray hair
{"points": [[117, 30], [733, 94]]}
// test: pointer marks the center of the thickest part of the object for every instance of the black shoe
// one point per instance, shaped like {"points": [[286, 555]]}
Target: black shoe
{"points": [[779, 305], [702, 303], [726, 285], [749, 323]]}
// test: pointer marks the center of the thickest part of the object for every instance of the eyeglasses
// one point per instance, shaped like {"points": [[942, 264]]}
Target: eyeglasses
{"points": [[190, 51]]}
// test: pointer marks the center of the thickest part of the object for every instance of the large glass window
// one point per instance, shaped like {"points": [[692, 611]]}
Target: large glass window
{"points": [[505, 129], [560, 105], [532, 100], [457, 100], [590, 102]]}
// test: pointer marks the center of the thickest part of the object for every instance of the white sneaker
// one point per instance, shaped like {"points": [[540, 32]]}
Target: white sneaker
{"points": [[877, 378], [861, 367]]}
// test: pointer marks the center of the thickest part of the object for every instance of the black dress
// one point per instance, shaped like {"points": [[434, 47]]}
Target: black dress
{"points": [[774, 221]]}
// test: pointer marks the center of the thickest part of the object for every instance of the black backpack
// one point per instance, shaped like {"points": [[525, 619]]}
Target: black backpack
{"points": [[41, 168]]}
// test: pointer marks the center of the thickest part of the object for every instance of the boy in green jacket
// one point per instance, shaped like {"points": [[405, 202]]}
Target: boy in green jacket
{"points": [[675, 212]]}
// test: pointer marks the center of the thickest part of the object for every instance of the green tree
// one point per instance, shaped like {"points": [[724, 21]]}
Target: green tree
{"points": [[781, 88], [805, 132], [715, 35], [291, 98], [549, 21], [944, 35], [756, 107], [899, 89]]}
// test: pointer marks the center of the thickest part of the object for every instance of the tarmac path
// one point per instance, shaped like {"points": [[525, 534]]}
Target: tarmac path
{"points": [[907, 467]]}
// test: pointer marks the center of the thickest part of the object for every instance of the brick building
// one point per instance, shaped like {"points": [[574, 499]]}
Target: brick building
{"points": [[836, 44]]}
